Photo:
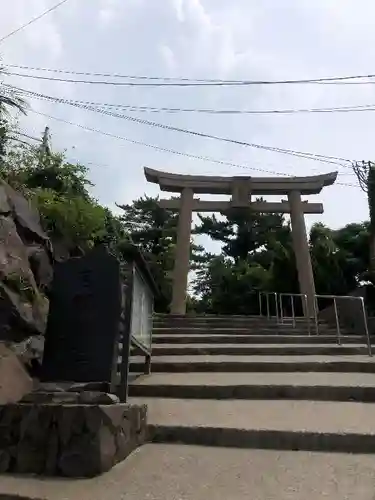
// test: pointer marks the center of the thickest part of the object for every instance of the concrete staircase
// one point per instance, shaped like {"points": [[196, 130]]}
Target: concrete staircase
{"points": [[249, 382]]}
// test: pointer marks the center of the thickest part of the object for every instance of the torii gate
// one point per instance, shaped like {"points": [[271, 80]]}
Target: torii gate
{"points": [[241, 189]]}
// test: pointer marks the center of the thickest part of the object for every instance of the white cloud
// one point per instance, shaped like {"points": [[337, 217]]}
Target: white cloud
{"points": [[167, 56], [178, 6], [240, 39]]}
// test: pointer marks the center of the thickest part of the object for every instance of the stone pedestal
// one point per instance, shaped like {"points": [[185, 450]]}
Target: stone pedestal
{"points": [[73, 440]]}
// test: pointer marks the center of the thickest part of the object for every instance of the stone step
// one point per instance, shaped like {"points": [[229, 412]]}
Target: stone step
{"points": [[228, 324], [175, 338], [222, 317], [232, 324], [180, 472], [278, 425], [203, 364], [243, 331], [257, 349], [307, 386], [210, 317]]}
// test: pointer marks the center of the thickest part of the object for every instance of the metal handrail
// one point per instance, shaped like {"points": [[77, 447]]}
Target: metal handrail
{"points": [[292, 296], [138, 318], [338, 328], [280, 315], [267, 297]]}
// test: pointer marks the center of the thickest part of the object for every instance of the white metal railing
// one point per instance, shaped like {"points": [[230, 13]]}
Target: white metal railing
{"points": [[292, 296], [362, 310], [264, 297], [281, 298]]}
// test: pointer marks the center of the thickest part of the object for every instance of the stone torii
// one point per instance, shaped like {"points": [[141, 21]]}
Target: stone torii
{"points": [[240, 189]]}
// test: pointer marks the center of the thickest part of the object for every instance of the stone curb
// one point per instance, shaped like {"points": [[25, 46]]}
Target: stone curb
{"points": [[245, 350], [255, 392], [263, 331], [175, 338], [263, 439]]}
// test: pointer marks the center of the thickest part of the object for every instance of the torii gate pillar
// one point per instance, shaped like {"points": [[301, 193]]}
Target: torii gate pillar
{"points": [[302, 251], [182, 255]]}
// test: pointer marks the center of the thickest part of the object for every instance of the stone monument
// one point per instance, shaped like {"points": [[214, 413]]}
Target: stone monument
{"points": [[74, 424]]}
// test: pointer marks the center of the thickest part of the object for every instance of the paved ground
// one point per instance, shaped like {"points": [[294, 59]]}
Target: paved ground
{"points": [[238, 379], [314, 416], [170, 472]]}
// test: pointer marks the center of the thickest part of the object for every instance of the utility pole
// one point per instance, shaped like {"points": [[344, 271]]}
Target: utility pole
{"points": [[45, 147]]}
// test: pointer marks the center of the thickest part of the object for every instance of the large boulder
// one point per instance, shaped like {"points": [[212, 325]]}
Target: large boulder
{"points": [[25, 269]]}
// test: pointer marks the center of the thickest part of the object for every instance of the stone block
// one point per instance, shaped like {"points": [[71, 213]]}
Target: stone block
{"points": [[70, 397], [68, 440]]}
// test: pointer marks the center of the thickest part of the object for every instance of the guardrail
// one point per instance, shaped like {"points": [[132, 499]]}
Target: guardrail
{"points": [[140, 291], [361, 311], [292, 297], [264, 298], [283, 318]]}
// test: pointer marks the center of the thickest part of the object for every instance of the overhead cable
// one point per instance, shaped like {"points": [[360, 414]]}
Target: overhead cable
{"points": [[312, 156], [187, 81], [33, 20], [171, 151], [153, 109]]}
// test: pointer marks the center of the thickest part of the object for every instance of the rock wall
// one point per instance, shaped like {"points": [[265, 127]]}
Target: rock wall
{"points": [[15, 382], [26, 272], [68, 440]]}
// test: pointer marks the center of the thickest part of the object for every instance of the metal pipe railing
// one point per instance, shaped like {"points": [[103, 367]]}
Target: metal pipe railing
{"points": [[266, 296], [337, 319], [368, 338], [292, 297], [281, 297]]}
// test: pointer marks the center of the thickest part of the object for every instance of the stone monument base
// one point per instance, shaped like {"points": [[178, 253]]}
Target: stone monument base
{"points": [[73, 440]]}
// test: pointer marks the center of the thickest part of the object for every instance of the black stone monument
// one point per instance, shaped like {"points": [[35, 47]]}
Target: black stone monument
{"points": [[85, 322]]}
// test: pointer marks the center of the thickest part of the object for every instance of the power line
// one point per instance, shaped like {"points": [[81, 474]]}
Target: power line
{"points": [[300, 154], [54, 7], [153, 109], [22, 134], [187, 81], [172, 151]]}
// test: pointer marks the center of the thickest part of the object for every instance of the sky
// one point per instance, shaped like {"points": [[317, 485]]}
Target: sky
{"points": [[215, 39]]}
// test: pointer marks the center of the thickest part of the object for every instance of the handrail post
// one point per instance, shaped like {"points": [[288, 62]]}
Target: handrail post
{"points": [[268, 305], [281, 308], [304, 297], [337, 322], [276, 308], [316, 311], [293, 314], [369, 346], [260, 304]]}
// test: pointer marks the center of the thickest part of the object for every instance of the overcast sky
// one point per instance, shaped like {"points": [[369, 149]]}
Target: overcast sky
{"points": [[236, 39]]}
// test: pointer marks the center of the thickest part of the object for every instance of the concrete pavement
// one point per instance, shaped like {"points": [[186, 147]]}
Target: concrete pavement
{"points": [[172, 472]]}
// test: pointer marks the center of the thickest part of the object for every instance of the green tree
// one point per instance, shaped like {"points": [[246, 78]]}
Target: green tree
{"points": [[154, 230], [365, 172], [59, 189], [227, 287], [242, 232], [9, 98]]}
